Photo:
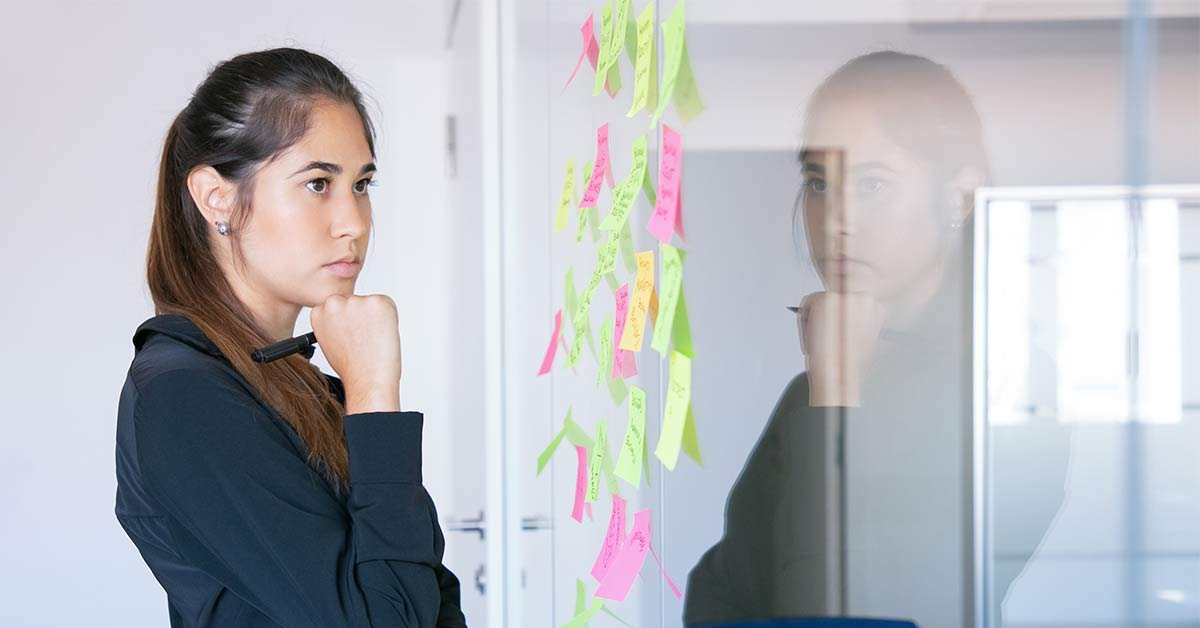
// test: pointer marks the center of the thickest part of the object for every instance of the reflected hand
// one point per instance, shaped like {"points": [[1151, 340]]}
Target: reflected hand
{"points": [[838, 335]]}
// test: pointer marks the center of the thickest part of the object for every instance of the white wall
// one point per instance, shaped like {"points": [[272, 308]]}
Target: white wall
{"points": [[88, 92]]}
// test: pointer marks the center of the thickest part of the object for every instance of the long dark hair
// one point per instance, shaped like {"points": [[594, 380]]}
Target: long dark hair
{"points": [[247, 111]]}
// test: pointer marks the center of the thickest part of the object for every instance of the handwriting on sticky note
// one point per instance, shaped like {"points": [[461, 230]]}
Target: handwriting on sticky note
{"points": [[606, 351], [622, 312], [666, 204], [626, 193], [581, 482], [643, 285], [566, 198], [645, 79], [629, 561], [679, 397], [678, 82], [552, 348], [599, 166], [672, 285], [613, 538], [596, 464], [629, 461]]}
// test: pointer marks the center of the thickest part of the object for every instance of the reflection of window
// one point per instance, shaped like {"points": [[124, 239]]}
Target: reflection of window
{"points": [[1160, 398], [1008, 311]]}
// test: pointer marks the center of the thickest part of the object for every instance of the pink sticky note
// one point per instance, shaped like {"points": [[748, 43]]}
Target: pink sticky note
{"points": [[666, 204], [581, 482], [590, 49], [599, 168], [674, 589], [629, 561], [587, 507], [613, 538], [548, 359]]}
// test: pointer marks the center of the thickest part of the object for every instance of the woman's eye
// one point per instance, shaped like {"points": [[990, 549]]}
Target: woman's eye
{"points": [[322, 182], [815, 185], [362, 185]]}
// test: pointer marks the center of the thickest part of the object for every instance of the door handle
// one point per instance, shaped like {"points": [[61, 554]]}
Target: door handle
{"points": [[479, 524]]}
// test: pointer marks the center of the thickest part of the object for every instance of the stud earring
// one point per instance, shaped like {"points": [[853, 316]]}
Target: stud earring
{"points": [[222, 227]]}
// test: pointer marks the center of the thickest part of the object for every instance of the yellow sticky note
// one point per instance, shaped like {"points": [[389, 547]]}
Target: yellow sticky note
{"points": [[567, 199], [596, 464], [635, 325], [672, 285], [679, 398], [645, 77], [629, 461]]}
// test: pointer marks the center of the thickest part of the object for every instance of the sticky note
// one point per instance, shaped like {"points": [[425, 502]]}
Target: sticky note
{"points": [[627, 192], [606, 257], [548, 452], [633, 448], [581, 327], [678, 82], [566, 199], [614, 535], [599, 165], [580, 596], [666, 205], [573, 433], [619, 578], [606, 351], [590, 49], [596, 463], [691, 444], [663, 569], [627, 256], [679, 396], [623, 364], [643, 285], [681, 329], [617, 390], [653, 307], [581, 482], [612, 41], [672, 285], [552, 348], [645, 75]]}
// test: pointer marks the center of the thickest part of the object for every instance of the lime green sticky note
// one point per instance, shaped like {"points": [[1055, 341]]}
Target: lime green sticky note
{"points": [[581, 619], [648, 188], [583, 213], [593, 213], [576, 434], [645, 76], [548, 452], [626, 193], [579, 326], [566, 199], [596, 464], [580, 596], [681, 329], [687, 95], [606, 350], [691, 443], [629, 461], [627, 257], [617, 390], [668, 298], [607, 43], [679, 397], [606, 258]]}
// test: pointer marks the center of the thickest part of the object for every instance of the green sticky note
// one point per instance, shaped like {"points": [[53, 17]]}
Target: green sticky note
{"points": [[681, 329], [606, 350], [691, 443], [575, 434], [626, 193], [627, 256], [548, 452], [648, 188], [687, 95], [607, 41], [606, 258], [679, 397], [617, 389], [678, 82], [581, 619], [593, 213], [580, 596], [612, 282], [668, 298], [629, 461], [645, 75], [583, 213], [596, 464], [567, 199]]}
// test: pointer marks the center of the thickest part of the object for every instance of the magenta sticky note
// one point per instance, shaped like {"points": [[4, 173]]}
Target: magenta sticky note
{"points": [[674, 589], [599, 167], [629, 561], [666, 204], [552, 348], [581, 482], [613, 539]]}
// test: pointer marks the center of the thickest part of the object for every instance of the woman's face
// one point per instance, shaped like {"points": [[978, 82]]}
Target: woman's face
{"points": [[310, 208], [868, 206]]}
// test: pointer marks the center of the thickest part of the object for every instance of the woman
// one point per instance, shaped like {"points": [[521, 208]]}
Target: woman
{"points": [[858, 496], [274, 494]]}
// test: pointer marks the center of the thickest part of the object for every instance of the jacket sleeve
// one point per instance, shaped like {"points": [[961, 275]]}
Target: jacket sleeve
{"points": [[250, 512]]}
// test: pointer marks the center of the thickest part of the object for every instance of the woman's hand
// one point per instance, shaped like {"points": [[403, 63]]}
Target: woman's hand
{"points": [[360, 338], [838, 334]]}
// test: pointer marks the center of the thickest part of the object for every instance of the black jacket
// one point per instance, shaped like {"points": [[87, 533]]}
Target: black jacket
{"points": [[214, 490]]}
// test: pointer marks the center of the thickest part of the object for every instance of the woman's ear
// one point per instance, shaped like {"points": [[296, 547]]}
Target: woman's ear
{"points": [[211, 193], [960, 194]]}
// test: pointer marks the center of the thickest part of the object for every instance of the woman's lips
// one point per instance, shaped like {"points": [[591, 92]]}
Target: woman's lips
{"points": [[843, 265], [344, 269]]}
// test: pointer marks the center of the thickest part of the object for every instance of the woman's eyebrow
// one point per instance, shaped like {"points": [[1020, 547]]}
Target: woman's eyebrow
{"points": [[871, 165], [332, 168]]}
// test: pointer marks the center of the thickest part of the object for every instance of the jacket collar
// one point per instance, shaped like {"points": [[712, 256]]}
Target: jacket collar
{"points": [[182, 328]]}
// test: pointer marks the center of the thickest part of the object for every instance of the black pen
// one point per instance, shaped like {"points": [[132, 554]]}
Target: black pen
{"points": [[284, 348]]}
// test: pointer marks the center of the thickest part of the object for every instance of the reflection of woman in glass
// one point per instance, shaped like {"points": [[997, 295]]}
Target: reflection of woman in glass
{"points": [[858, 496]]}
